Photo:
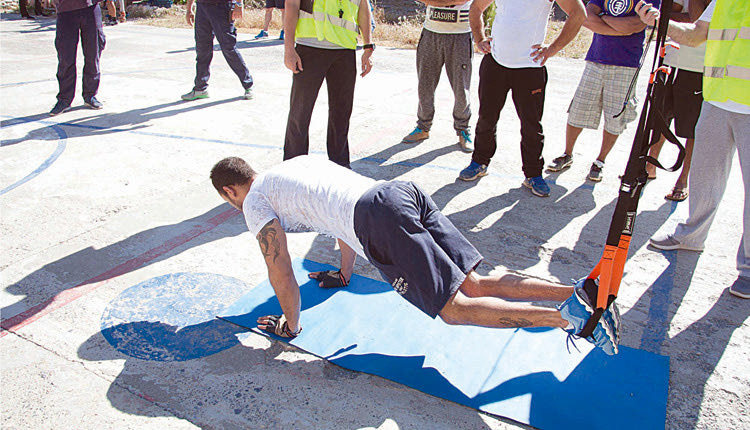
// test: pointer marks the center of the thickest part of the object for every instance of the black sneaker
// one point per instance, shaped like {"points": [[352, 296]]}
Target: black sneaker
{"points": [[595, 174], [93, 103], [59, 108], [560, 163]]}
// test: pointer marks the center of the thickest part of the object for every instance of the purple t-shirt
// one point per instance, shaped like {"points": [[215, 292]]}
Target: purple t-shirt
{"points": [[618, 50]]}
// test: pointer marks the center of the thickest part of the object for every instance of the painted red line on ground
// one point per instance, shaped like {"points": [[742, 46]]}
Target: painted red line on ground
{"points": [[67, 296]]}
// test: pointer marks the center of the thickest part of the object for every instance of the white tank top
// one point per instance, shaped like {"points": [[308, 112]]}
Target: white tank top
{"points": [[519, 24]]}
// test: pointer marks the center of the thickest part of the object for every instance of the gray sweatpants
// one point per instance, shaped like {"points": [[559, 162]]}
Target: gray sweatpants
{"points": [[718, 134], [455, 52]]}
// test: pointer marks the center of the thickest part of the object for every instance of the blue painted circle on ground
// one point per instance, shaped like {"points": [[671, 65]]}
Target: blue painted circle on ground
{"points": [[173, 317]]}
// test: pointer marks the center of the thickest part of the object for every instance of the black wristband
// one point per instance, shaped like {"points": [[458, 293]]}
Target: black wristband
{"points": [[369, 46]]}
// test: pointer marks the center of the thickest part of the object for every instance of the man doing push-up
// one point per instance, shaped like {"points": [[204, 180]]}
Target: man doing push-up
{"points": [[403, 234]]}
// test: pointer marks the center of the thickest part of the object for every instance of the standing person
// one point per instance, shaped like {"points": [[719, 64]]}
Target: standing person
{"points": [[216, 18], [22, 7], [270, 5], [683, 95], [403, 234], [514, 60], [114, 17], [320, 43], [611, 65], [78, 19], [723, 127], [445, 41]]}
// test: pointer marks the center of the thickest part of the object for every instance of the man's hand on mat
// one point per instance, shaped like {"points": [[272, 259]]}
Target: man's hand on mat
{"points": [[277, 325], [330, 278]]}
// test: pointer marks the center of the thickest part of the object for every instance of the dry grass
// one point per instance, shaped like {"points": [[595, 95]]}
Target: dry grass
{"points": [[403, 33]]}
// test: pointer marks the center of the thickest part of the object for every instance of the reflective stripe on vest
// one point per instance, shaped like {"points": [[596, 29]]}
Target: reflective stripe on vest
{"points": [[726, 74], [334, 21]]}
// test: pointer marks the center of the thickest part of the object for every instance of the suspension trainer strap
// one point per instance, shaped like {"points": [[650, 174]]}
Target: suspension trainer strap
{"points": [[651, 125]]}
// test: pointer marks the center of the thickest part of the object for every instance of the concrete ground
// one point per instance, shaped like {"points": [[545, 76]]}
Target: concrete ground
{"points": [[96, 202]]}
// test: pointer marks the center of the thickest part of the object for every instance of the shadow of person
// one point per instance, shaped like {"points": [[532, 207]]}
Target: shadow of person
{"points": [[204, 374], [514, 242], [90, 266], [376, 166], [575, 263], [108, 122], [240, 45], [697, 349]]}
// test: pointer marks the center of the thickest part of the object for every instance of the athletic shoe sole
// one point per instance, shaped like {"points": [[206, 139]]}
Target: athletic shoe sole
{"points": [[738, 294], [678, 247], [555, 169], [533, 191], [473, 178], [189, 99], [58, 113], [90, 106]]}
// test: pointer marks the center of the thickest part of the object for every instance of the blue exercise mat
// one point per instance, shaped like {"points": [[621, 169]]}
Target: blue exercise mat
{"points": [[524, 374]]}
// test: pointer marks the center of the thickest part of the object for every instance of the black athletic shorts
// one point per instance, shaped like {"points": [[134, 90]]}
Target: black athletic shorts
{"points": [[683, 97], [414, 246], [278, 4]]}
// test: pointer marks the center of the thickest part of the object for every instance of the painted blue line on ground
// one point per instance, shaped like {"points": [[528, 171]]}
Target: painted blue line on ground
{"points": [[374, 160], [61, 143]]}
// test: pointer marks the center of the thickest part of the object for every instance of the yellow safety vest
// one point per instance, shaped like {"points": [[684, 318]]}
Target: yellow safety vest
{"points": [[331, 20], [726, 71]]}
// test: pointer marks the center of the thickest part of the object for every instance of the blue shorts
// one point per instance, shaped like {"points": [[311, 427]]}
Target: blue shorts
{"points": [[278, 4], [414, 246]]}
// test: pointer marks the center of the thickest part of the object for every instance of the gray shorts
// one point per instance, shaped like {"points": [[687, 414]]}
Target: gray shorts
{"points": [[414, 246], [603, 89]]}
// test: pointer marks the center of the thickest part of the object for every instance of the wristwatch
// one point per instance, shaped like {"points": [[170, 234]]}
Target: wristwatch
{"points": [[369, 46]]}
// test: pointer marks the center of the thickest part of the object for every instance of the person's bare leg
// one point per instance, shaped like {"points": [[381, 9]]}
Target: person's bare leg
{"points": [[608, 142], [571, 136], [497, 313], [654, 151], [267, 21], [514, 287]]}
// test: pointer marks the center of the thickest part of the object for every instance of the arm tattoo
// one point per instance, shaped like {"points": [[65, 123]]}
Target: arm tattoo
{"points": [[506, 322], [268, 240]]}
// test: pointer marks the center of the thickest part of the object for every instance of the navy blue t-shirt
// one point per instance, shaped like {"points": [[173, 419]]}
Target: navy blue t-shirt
{"points": [[618, 50]]}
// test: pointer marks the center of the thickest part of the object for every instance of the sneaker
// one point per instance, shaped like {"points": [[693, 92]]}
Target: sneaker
{"points": [[537, 185], [195, 95], [111, 20], [262, 35], [611, 314], [248, 93], [560, 163], [595, 174], [577, 309], [416, 136], [473, 171], [464, 141], [281, 35], [59, 108], [667, 242], [741, 287], [93, 103]]}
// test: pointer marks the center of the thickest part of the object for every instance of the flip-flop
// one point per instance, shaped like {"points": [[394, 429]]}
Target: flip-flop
{"points": [[677, 194]]}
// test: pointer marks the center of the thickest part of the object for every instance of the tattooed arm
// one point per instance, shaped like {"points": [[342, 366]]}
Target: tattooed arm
{"points": [[272, 241]]}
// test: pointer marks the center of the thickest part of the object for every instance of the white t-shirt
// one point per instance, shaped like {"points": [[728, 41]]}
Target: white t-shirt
{"points": [[687, 57], [307, 193], [519, 24], [729, 105], [448, 19]]}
